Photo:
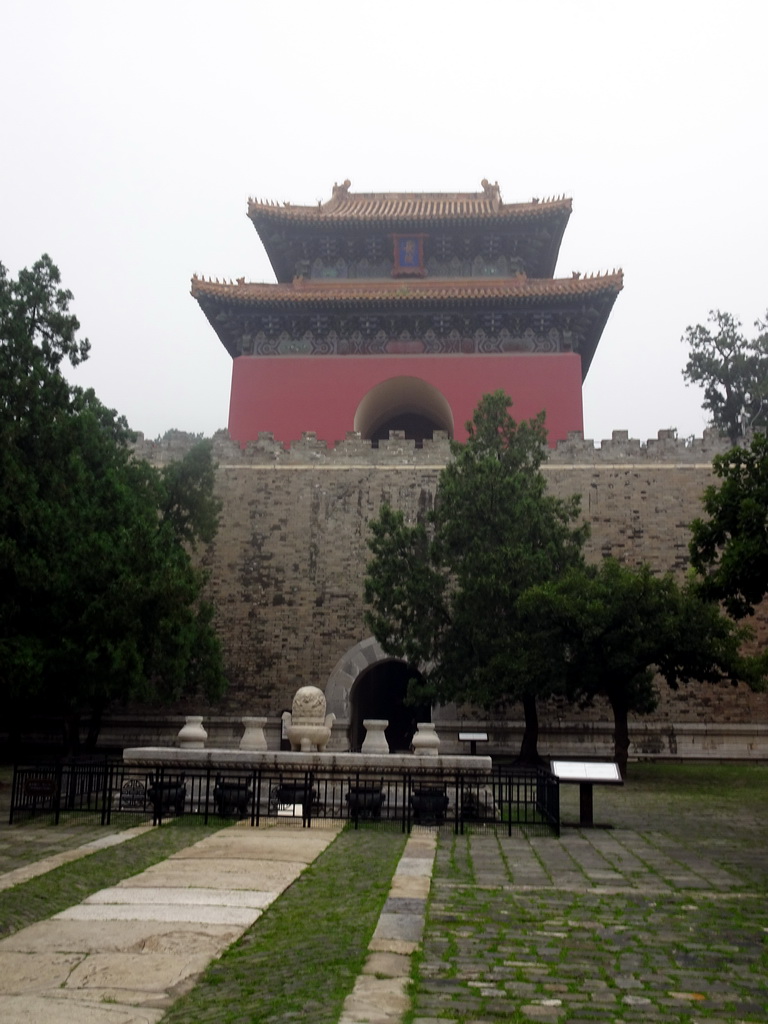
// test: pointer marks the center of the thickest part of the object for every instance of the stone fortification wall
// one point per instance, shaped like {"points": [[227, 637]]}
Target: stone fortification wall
{"points": [[287, 567]]}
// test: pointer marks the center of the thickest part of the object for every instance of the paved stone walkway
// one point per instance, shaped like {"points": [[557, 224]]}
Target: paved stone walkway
{"points": [[48, 863], [380, 993], [667, 925], [599, 926], [126, 953]]}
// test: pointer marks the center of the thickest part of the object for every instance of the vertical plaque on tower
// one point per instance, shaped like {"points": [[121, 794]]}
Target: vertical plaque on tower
{"points": [[409, 256]]}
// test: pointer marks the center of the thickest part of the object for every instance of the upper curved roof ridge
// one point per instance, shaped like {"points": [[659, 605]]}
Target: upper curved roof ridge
{"points": [[344, 204]]}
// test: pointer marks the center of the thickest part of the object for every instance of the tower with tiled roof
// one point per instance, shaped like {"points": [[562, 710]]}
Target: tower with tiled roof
{"points": [[397, 311]]}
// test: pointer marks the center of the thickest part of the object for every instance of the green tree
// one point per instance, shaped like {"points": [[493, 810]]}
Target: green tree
{"points": [[443, 592], [730, 548], [732, 369], [610, 631], [186, 500], [100, 599]]}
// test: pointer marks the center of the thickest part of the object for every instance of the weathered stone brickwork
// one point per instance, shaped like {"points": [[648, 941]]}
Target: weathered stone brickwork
{"points": [[287, 567]]}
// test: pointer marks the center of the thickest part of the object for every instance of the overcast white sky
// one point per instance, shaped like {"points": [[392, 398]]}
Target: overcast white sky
{"points": [[133, 135]]}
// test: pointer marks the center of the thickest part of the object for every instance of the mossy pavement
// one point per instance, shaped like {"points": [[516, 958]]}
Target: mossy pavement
{"points": [[661, 917]]}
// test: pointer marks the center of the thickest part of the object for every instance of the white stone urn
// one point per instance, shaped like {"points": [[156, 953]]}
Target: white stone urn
{"points": [[192, 735], [375, 741], [253, 738], [308, 727], [425, 741]]}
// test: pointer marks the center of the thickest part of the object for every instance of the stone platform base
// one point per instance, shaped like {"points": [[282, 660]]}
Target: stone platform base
{"points": [[294, 761]]}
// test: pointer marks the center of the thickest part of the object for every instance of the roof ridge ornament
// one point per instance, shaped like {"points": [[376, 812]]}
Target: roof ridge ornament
{"points": [[339, 192], [492, 193]]}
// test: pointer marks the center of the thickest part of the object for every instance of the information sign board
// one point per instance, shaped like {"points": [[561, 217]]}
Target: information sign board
{"points": [[587, 774], [604, 772]]}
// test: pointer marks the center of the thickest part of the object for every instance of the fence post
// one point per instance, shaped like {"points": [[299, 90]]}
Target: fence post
{"points": [[14, 792], [207, 793], [57, 796], [510, 784], [309, 778], [106, 792], [159, 777]]}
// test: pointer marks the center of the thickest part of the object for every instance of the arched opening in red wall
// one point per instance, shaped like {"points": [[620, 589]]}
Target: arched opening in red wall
{"points": [[403, 403]]}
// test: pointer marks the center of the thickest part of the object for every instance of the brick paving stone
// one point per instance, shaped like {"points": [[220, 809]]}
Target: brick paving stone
{"points": [[609, 926]]}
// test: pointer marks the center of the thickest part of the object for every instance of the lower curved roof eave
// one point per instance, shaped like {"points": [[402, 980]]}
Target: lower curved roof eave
{"points": [[405, 291]]}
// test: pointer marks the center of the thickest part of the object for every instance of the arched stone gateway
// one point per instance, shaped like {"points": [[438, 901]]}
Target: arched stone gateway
{"points": [[409, 404], [368, 683]]}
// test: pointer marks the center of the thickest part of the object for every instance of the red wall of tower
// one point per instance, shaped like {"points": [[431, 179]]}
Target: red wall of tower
{"points": [[289, 395]]}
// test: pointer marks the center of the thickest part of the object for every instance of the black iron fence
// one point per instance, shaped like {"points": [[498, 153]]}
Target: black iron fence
{"points": [[111, 792]]}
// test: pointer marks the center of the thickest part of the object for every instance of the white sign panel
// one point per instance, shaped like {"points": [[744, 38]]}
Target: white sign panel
{"points": [[586, 771]]}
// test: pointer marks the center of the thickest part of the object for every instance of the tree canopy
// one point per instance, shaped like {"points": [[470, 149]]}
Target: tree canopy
{"points": [[732, 369], [730, 548], [443, 592], [610, 630], [101, 601]]}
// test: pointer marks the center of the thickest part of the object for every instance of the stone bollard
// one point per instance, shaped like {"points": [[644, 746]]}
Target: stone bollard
{"points": [[192, 736], [253, 738], [375, 741]]}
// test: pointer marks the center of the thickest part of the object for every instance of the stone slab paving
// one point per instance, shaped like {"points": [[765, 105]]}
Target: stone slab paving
{"points": [[175, 937], [34, 842], [616, 926], [135, 896], [380, 994], [126, 953], [235, 872]]}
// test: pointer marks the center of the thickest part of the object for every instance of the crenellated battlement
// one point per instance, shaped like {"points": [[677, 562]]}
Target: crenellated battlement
{"points": [[666, 448]]}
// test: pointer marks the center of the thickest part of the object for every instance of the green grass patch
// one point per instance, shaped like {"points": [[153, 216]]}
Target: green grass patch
{"points": [[63, 887], [300, 960], [740, 785]]}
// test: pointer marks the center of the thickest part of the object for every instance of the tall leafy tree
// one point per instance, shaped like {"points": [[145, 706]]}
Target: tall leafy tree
{"points": [[611, 631], [100, 599], [733, 371], [443, 593], [729, 549]]}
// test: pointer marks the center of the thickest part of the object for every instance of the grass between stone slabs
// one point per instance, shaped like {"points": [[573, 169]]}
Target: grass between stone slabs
{"points": [[63, 887], [299, 961]]}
